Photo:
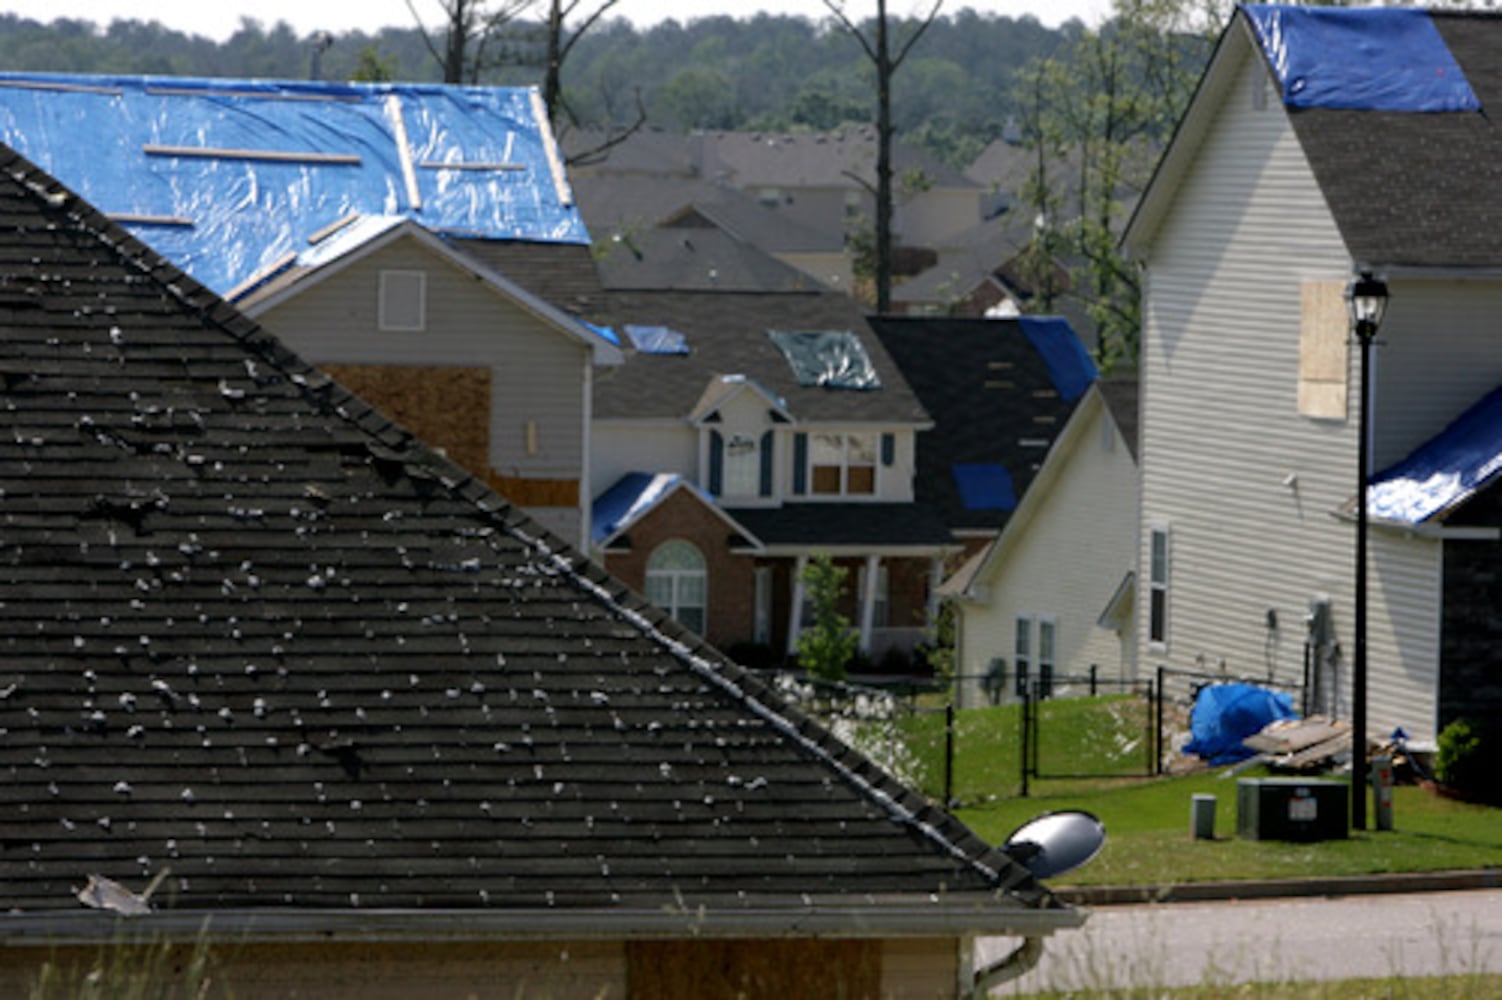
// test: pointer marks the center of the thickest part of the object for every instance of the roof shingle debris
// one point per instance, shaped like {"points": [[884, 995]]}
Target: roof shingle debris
{"points": [[252, 631]]}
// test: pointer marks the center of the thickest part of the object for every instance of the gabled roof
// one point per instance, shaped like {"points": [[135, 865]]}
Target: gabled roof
{"points": [[864, 527], [636, 494], [1407, 188], [1444, 472], [693, 259], [257, 634], [838, 159], [227, 177], [366, 236], [723, 388], [727, 335], [998, 390]]}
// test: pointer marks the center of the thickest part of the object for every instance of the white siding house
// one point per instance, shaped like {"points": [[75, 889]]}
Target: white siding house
{"points": [[1042, 593], [1250, 397]]}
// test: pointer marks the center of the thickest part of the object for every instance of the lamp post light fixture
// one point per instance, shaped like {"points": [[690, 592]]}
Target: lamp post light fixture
{"points": [[1366, 297]]}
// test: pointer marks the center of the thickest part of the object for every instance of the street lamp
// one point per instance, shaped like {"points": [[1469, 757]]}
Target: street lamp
{"points": [[1366, 297]]}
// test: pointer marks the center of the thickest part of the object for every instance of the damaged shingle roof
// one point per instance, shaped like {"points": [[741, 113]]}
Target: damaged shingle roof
{"points": [[253, 632]]}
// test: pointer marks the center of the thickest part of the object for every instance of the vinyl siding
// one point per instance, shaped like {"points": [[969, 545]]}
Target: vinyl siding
{"points": [[1221, 430], [1066, 564], [623, 446]]}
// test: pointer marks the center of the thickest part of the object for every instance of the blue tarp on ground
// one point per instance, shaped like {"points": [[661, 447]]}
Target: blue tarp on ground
{"points": [[1360, 58], [985, 486], [237, 174], [1444, 471], [1226, 714], [1068, 362]]}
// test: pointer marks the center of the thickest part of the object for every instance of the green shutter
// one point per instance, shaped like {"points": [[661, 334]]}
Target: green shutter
{"points": [[716, 462], [800, 463], [766, 464]]}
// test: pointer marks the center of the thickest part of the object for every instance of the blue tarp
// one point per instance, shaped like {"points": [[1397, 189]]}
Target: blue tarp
{"points": [[657, 339], [1444, 471], [630, 496], [1226, 714], [1068, 362], [240, 173], [1360, 58], [834, 359], [985, 486]]}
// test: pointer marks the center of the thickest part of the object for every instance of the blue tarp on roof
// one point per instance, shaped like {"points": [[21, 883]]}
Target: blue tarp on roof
{"points": [[1226, 714], [657, 339], [633, 495], [1361, 58], [607, 332], [985, 486], [1444, 471], [1068, 362], [237, 174]]}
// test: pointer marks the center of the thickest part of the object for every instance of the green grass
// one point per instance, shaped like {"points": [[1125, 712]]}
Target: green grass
{"points": [[1147, 820], [1463, 987]]}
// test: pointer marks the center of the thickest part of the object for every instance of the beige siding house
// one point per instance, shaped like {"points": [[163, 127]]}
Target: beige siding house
{"points": [[479, 367], [1248, 235], [1051, 596]]}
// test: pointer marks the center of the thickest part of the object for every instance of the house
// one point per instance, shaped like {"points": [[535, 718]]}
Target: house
{"points": [[355, 222], [1295, 168], [746, 433], [998, 392], [341, 707], [1054, 594]]}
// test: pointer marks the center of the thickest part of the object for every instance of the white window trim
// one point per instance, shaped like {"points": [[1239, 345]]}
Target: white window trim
{"points": [[844, 491], [1023, 669], [675, 578], [384, 321], [1155, 529], [1052, 662]]}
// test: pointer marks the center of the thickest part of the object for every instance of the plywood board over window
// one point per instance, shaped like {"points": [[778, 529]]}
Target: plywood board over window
{"points": [[449, 408], [1324, 355]]}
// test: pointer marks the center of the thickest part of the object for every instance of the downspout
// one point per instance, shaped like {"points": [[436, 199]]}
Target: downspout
{"points": [[1021, 960]]}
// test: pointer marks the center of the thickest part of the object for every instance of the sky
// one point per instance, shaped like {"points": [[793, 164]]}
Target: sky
{"points": [[218, 19]]}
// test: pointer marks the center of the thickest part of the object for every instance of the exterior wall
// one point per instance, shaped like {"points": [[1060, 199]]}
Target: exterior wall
{"points": [[902, 969], [1221, 433], [731, 588], [620, 447], [894, 483], [1063, 564]]}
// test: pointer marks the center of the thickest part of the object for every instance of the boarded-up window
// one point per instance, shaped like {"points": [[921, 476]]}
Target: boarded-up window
{"points": [[1323, 354], [403, 305]]}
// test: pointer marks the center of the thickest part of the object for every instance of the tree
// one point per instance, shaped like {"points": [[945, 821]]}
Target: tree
{"points": [[560, 43], [828, 645], [470, 26], [879, 50], [1097, 118]]}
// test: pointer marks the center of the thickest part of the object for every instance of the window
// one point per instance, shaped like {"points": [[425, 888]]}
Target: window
{"points": [[1157, 623], [1022, 652], [761, 628], [677, 582], [403, 301], [842, 464], [1045, 658], [1324, 329]]}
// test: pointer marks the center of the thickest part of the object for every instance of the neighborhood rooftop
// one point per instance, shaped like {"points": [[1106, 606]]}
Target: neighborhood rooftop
{"points": [[235, 180]]}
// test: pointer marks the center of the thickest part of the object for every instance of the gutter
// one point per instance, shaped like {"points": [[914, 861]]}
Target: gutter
{"points": [[871, 920]]}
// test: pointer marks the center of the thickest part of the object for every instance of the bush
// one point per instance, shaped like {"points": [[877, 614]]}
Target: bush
{"points": [[1468, 758]]}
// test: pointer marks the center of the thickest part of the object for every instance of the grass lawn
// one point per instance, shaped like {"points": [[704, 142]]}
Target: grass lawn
{"points": [[1147, 819], [1464, 987]]}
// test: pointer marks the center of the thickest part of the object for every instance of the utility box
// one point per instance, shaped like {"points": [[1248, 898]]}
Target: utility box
{"points": [[1292, 809]]}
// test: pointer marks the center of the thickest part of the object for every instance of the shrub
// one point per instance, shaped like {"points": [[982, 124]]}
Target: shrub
{"points": [[1468, 758]]}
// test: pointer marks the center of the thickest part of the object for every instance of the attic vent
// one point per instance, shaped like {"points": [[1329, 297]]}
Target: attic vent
{"points": [[403, 302]]}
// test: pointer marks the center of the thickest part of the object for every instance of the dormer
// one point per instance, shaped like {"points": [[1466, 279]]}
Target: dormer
{"points": [[737, 420]]}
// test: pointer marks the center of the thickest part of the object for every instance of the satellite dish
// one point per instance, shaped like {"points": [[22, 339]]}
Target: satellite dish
{"points": [[1056, 842]]}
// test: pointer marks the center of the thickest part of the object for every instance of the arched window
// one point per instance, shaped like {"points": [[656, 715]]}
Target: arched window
{"points": [[677, 582]]}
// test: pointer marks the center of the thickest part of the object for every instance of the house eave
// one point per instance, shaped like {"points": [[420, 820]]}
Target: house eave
{"points": [[955, 916]]}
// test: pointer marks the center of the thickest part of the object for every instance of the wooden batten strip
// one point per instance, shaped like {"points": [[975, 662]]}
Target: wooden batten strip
{"points": [[149, 220], [550, 148], [276, 155], [74, 88], [333, 227], [263, 95], [266, 273], [404, 151], [440, 165]]}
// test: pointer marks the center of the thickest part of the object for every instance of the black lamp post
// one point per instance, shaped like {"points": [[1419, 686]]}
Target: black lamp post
{"points": [[1367, 299]]}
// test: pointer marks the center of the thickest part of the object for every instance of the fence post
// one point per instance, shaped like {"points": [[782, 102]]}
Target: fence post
{"points": [[1094, 668], [1158, 724], [1026, 710], [949, 756]]}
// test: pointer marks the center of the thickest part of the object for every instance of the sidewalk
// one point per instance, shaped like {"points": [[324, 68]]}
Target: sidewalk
{"points": [[1341, 885]]}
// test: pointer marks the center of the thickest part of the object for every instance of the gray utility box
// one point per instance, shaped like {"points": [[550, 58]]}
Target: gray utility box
{"points": [[1292, 809]]}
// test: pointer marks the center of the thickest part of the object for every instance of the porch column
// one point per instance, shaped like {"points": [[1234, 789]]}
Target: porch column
{"points": [[935, 577], [868, 602], [795, 611]]}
